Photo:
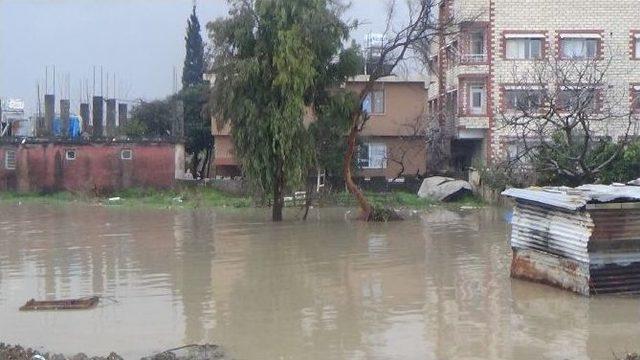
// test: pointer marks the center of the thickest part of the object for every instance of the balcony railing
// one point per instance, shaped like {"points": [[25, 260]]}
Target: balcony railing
{"points": [[473, 58]]}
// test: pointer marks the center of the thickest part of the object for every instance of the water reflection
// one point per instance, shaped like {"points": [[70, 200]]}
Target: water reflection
{"points": [[433, 287]]}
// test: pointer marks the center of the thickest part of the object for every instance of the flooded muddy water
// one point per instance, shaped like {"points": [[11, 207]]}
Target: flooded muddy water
{"points": [[436, 286]]}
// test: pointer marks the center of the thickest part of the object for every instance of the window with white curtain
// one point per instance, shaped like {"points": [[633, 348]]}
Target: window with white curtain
{"points": [[373, 156], [579, 48], [638, 46], [373, 104], [524, 48], [523, 99]]}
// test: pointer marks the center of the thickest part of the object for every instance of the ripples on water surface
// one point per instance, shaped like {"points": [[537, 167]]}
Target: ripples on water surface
{"points": [[432, 287]]}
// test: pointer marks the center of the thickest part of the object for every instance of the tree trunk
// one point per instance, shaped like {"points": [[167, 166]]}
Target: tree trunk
{"points": [[204, 170], [278, 196], [363, 203]]}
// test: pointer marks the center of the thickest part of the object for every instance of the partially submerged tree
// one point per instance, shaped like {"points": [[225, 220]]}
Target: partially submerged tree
{"points": [[273, 62], [565, 119]]}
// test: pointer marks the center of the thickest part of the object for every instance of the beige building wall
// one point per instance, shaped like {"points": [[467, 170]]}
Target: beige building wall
{"points": [[399, 128]]}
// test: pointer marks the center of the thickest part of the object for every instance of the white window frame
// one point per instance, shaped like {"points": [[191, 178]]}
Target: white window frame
{"points": [[68, 152], [526, 45], [10, 159], [482, 90], [370, 101], [374, 158], [122, 154], [637, 42]]}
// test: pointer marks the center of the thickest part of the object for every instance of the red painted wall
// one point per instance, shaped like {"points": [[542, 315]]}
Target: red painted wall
{"points": [[97, 168]]}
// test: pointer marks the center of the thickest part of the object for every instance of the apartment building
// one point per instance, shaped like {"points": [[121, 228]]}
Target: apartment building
{"points": [[472, 79], [392, 142]]}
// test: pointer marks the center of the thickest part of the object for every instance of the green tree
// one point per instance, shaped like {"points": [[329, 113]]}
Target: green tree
{"points": [[194, 56], [194, 94], [151, 118], [272, 61]]}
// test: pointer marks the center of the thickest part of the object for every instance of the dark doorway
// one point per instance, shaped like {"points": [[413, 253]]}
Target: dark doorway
{"points": [[464, 154]]}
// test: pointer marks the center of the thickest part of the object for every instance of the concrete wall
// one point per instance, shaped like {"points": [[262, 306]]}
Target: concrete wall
{"points": [[410, 152], [97, 168], [404, 108]]}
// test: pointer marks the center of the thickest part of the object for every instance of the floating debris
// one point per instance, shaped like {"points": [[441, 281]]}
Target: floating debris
{"points": [[65, 304]]}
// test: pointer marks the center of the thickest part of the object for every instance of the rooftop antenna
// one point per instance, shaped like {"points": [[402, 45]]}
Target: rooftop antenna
{"points": [[54, 79], [107, 84], [101, 94], [93, 93], [46, 79]]}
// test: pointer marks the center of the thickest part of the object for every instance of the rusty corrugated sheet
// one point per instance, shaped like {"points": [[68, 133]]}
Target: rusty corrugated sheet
{"points": [[572, 237], [557, 232]]}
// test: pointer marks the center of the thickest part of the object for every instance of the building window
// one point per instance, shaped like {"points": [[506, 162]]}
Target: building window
{"points": [[476, 47], [10, 159], [477, 101], [373, 156], [126, 154], [524, 48], [637, 46], [373, 103], [523, 99], [578, 100], [635, 99], [579, 48], [70, 154]]}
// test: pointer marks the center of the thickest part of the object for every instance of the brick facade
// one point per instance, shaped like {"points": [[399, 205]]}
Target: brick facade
{"points": [[615, 22]]}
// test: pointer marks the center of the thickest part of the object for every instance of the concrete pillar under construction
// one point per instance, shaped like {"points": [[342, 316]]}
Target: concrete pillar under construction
{"points": [[65, 109], [49, 113], [111, 117], [97, 116], [84, 114], [122, 115]]}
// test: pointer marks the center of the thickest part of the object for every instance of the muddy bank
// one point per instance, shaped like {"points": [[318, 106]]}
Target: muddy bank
{"points": [[190, 352]]}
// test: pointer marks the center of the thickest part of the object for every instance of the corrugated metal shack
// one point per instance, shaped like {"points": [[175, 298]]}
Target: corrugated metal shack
{"points": [[584, 239]]}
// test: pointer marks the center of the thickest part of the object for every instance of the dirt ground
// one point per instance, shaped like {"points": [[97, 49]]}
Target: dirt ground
{"points": [[189, 352]]}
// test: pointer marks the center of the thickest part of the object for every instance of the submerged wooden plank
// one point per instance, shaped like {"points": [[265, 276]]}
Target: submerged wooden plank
{"points": [[64, 304]]}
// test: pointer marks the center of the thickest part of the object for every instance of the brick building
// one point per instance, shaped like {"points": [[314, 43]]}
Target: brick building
{"points": [[472, 73], [101, 166], [391, 139]]}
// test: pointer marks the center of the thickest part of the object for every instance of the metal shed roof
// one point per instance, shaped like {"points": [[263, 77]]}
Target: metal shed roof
{"points": [[576, 198]]}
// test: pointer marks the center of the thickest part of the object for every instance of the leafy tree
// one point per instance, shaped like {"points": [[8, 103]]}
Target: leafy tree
{"points": [[151, 118], [273, 60], [197, 128]]}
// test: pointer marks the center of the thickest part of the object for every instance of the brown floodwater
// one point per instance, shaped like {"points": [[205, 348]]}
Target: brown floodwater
{"points": [[436, 286]]}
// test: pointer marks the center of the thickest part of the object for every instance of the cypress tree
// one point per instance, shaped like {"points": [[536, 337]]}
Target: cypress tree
{"points": [[194, 57]]}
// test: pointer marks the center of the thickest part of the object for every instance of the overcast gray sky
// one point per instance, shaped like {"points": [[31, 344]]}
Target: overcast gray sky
{"points": [[141, 41]]}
